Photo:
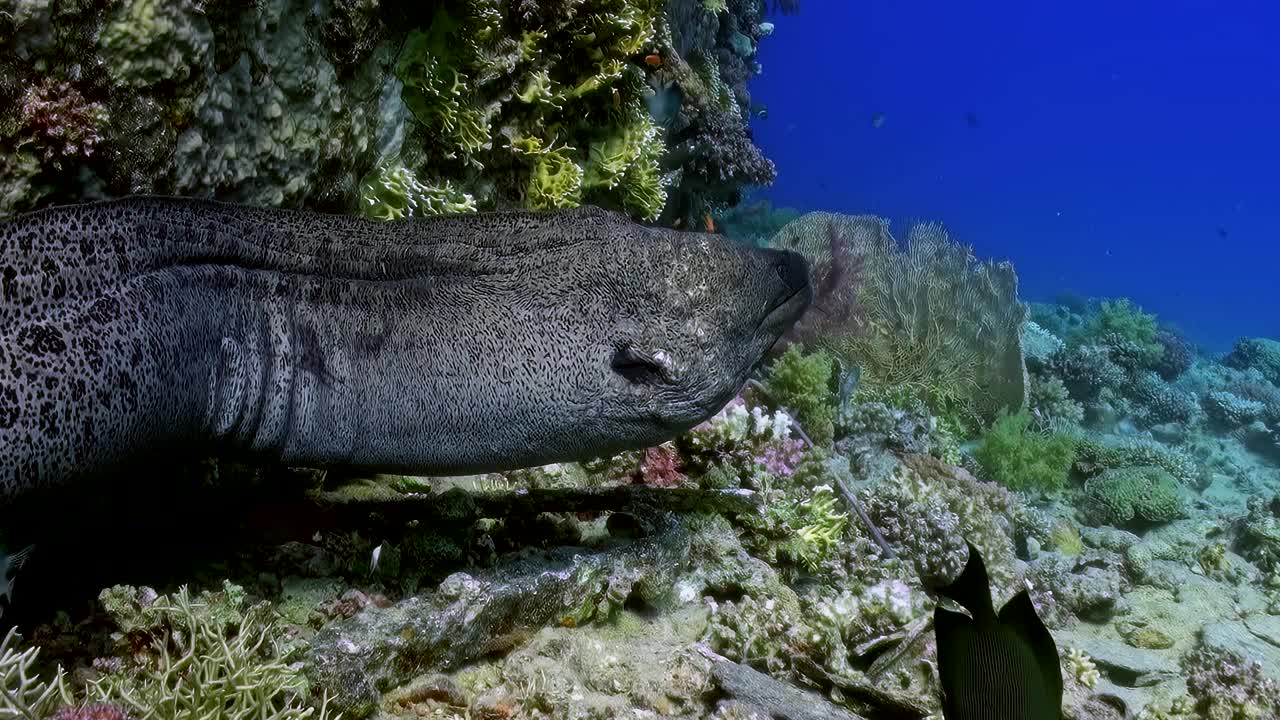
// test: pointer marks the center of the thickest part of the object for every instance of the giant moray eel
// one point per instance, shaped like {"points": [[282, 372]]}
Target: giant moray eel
{"points": [[440, 346]]}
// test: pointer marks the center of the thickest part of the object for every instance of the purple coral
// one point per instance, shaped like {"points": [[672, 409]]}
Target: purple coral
{"points": [[95, 711], [781, 459], [1178, 354], [1225, 684], [61, 121]]}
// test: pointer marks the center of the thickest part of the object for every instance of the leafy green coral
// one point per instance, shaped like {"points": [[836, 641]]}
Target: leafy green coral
{"points": [[152, 41], [1144, 494], [391, 192], [1023, 459], [210, 656], [801, 382], [551, 103]]}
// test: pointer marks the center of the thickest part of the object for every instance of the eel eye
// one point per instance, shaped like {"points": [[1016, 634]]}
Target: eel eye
{"points": [[640, 367]]}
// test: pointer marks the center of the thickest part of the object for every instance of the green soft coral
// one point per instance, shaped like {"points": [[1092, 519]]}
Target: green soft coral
{"points": [[1125, 496], [152, 41], [801, 382], [629, 159], [438, 93], [1023, 459]]}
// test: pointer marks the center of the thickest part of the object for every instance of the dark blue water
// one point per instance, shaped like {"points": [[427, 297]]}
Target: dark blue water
{"points": [[1107, 148]]}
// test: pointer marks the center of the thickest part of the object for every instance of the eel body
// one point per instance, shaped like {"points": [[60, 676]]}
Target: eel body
{"points": [[439, 346]]}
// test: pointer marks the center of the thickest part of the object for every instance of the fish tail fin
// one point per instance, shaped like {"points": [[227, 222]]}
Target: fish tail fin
{"points": [[1019, 614], [972, 589]]}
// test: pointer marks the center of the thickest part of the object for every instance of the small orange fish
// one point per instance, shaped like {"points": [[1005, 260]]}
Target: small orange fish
{"points": [[711, 224], [653, 60]]}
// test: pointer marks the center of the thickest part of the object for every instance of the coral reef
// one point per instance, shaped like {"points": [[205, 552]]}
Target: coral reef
{"points": [[22, 693], [383, 109]]}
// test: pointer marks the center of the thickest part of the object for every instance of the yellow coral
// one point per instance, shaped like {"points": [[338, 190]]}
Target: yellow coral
{"points": [[1081, 667]]}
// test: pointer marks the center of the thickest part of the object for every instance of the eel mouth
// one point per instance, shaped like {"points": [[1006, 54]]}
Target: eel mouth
{"points": [[786, 312]]}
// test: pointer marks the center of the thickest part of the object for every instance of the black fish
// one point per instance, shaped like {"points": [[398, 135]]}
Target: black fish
{"points": [[995, 667]]}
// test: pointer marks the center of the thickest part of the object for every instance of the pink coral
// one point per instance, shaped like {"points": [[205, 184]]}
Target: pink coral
{"points": [[660, 467], [781, 458], [59, 120]]}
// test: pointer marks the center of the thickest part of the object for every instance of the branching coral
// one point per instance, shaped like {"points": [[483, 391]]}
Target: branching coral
{"points": [[212, 656], [1051, 404], [23, 694], [933, 318], [1226, 686], [1095, 454]]}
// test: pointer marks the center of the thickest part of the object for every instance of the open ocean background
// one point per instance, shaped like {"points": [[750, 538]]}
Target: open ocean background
{"points": [[1107, 149]]}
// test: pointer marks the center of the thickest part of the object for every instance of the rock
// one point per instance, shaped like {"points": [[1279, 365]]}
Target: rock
{"points": [[1089, 584], [469, 616], [1238, 638], [1266, 627], [1124, 665], [773, 698]]}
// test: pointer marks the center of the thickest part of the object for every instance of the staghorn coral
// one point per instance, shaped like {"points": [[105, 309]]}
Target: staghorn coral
{"points": [[22, 693], [1230, 411], [933, 319], [1260, 353], [1051, 405], [1162, 403], [927, 509], [1039, 344], [92, 711], [211, 656], [1096, 454], [1086, 371], [1177, 356]]}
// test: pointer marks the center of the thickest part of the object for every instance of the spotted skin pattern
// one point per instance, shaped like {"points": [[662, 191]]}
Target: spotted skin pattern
{"points": [[429, 345]]}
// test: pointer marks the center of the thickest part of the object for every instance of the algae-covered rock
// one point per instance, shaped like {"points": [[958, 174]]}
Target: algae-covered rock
{"points": [[470, 616]]}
